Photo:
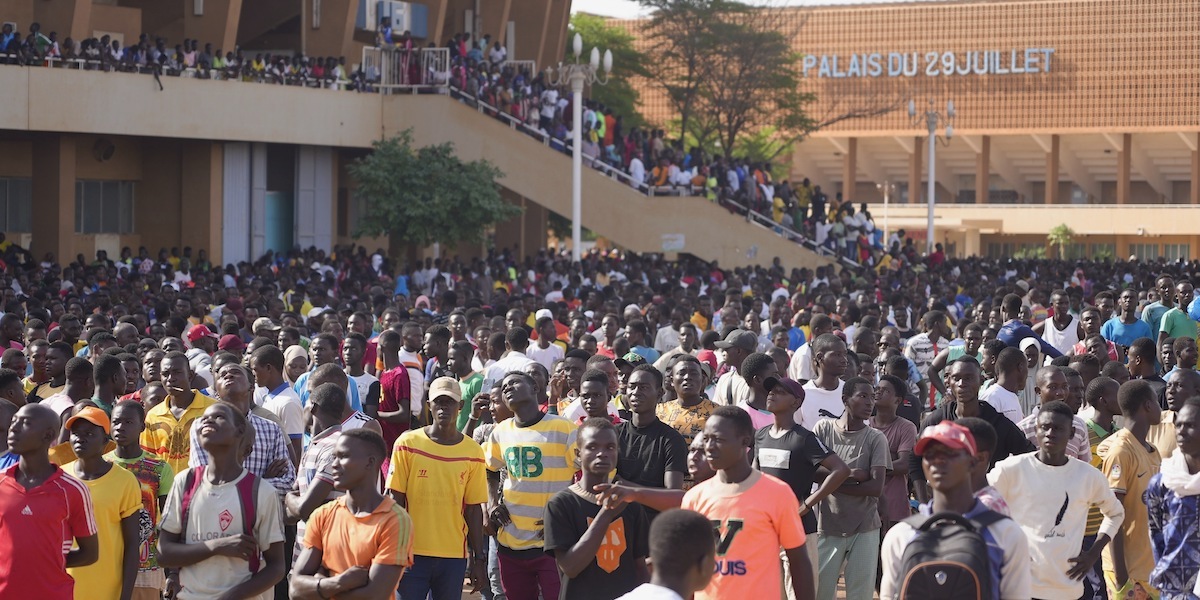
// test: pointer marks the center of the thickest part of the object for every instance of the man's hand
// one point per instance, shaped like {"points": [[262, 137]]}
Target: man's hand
{"points": [[173, 586], [237, 546], [558, 386], [480, 405], [860, 475], [1082, 564], [615, 494], [478, 574], [498, 516], [277, 468]]}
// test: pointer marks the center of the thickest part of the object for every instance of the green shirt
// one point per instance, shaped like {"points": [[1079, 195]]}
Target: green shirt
{"points": [[1175, 323], [470, 388]]}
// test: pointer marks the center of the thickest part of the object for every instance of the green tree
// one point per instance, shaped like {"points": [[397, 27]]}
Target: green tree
{"points": [[620, 95], [1060, 237], [427, 195]]}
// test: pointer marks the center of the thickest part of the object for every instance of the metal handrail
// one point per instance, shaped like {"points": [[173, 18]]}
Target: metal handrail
{"points": [[391, 69]]}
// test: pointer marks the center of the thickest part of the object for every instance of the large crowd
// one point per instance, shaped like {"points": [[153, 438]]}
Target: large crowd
{"points": [[321, 425]]}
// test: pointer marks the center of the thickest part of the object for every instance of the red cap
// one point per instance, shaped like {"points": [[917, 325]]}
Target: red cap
{"points": [[200, 331], [791, 386], [948, 433], [231, 342]]}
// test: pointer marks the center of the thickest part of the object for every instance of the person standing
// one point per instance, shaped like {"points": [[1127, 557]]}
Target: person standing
{"points": [[219, 545], [537, 452], [42, 511], [1129, 463], [683, 556], [690, 409], [116, 505], [169, 423], [362, 541], [1032, 485], [1173, 507], [1125, 327], [793, 454], [599, 547], [901, 436], [753, 515], [1052, 386], [924, 347], [458, 362], [438, 476], [274, 394], [823, 392], [652, 454], [154, 477], [848, 521], [1004, 394]]}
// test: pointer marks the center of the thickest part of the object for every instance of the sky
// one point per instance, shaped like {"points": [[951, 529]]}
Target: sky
{"points": [[629, 9]]}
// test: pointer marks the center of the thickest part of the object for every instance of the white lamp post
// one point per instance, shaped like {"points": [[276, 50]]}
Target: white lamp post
{"points": [[931, 118], [577, 74]]}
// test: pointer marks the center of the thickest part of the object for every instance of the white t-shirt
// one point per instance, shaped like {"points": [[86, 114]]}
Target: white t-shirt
{"points": [[649, 591], [575, 410], [819, 404], [1051, 505], [364, 382], [801, 366], [285, 405], [1007, 536], [545, 356], [216, 512], [1004, 401]]}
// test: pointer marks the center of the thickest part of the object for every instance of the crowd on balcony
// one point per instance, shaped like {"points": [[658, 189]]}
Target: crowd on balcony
{"points": [[187, 59]]}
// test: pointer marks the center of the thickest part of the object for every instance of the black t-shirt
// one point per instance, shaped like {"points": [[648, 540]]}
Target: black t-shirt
{"points": [[910, 408], [613, 573], [647, 454], [794, 458]]}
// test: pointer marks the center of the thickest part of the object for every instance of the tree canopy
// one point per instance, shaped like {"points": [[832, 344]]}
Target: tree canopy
{"points": [[427, 195], [628, 62]]}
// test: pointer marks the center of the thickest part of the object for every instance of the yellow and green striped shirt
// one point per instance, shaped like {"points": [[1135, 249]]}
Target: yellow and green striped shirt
{"points": [[1096, 434], [540, 462]]}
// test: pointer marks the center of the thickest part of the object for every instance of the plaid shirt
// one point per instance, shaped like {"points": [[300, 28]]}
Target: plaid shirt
{"points": [[270, 444]]}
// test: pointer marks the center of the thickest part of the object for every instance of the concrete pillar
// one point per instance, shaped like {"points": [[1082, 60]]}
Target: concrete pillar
{"points": [[1195, 183], [200, 197], [850, 170], [533, 235], [983, 172], [1052, 171], [510, 233], [1123, 170], [914, 171], [971, 243], [495, 20], [551, 44], [54, 196], [335, 34], [218, 25], [1121, 251]]}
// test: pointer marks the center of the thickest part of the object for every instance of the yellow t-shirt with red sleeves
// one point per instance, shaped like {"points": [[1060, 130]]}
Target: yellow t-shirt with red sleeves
{"points": [[753, 519], [439, 480]]}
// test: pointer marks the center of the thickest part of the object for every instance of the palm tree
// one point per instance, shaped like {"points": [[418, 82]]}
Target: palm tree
{"points": [[1061, 237]]}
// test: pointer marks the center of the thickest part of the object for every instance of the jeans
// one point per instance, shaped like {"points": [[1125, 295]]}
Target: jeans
{"points": [[522, 578], [494, 590], [438, 578]]}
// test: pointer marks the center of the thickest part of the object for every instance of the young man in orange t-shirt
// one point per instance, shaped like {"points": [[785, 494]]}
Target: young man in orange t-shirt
{"points": [[362, 539], [753, 516]]}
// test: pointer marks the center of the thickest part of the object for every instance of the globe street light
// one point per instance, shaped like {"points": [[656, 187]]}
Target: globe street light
{"points": [[578, 74], [932, 118]]}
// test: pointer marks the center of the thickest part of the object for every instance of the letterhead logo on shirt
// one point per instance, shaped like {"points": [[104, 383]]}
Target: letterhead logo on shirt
{"points": [[226, 519], [724, 565], [608, 557]]}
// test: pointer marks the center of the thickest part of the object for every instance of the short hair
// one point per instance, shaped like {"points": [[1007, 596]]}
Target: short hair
{"points": [[982, 431], [933, 317], [268, 355], [1086, 358], [994, 347], [1181, 343], [372, 440], [680, 540], [389, 337], [648, 368], [598, 359], [897, 384], [1012, 304], [1009, 359], [517, 338], [439, 332], [824, 343], [578, 353], [464, 349], [329, 373], [1095, 390], [741, 419], [528, 379], [106, 367], [62, 348], [754, 364], [1134, 394], [820, 321], [853, 382], [1111, 368], [598, 424], [1060, 408], [328, 399], [132, 404], [595, 375], [327, 338], [78, 367], [639, 326], [1144, 347], [9, 377], [355, 336]]}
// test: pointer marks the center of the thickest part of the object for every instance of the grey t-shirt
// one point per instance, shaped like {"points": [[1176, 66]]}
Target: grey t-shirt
{"points": [[841, 514]]}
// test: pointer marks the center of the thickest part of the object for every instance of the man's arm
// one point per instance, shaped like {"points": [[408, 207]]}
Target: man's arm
{"points": [[572, 561], [838, 472], [382, 581], [658, 499], [131, 556], [87, 552], [873, 486], [802, 572], [266, 577], [935, 371], [301, 507]]}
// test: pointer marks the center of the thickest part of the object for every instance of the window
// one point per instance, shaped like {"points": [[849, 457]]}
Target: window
{"points": [[1144, 252], [1103, 251], [999, 250], [1174, 252], [103, 206], [16, 205]]}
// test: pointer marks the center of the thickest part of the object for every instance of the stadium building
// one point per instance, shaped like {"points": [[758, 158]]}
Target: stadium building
{"points": [[1076, 112]]}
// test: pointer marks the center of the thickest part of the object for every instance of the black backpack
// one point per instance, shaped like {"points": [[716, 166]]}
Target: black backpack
{"points": [[948, 559]]}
